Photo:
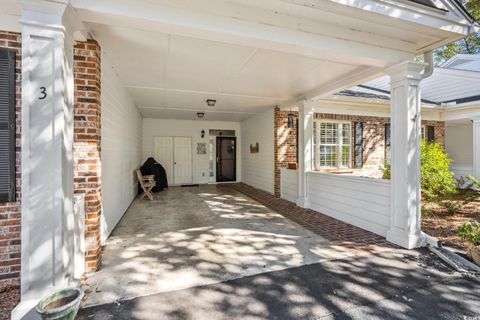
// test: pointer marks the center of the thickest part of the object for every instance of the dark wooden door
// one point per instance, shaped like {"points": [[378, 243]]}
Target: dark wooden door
{"points": [[226, 159]]}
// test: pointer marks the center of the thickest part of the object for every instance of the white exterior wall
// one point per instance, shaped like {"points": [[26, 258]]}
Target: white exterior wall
{"points": [[459, 146], [189, 128], [258, 168], [289, 184], [362, 202], [121, 148]]}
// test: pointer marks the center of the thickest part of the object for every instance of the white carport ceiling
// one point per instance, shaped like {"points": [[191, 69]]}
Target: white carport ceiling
{"points": [[171, 76]]}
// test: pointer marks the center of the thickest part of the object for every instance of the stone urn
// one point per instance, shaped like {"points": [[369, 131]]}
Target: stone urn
{"points": [[474, 253], [60, 305]]}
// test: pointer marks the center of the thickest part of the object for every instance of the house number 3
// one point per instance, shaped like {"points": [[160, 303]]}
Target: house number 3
{"points": [[43, 92]]}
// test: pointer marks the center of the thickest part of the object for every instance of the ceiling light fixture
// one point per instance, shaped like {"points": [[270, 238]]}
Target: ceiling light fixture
{"points": [[200, 115], [211, 102]]}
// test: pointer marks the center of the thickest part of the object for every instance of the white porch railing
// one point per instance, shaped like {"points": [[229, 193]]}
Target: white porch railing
{"points": [[289, 184], [362, 202]]}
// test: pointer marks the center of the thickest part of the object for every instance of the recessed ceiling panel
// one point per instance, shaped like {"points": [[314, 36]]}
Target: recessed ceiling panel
{"points": [[202, 65], [138, 56]]}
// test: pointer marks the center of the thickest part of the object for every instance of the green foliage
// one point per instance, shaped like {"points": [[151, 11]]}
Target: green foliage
{"points": [[452, 206], [473, 194], [475, 183], [437, 179], [469, 45], [470, 231], [387, 172]]}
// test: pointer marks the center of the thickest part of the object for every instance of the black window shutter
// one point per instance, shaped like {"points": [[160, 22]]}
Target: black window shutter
{"points": [[7, 125], [358, 144], [430, 133], [388, 139]]}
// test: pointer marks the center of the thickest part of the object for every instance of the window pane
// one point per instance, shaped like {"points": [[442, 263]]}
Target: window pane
{"points": [[346, 133], [329, 133], [346, 156], [328, 156]]}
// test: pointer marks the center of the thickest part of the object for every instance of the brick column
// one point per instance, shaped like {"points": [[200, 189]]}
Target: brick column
{"points": [[87, 143], [285, 140]]}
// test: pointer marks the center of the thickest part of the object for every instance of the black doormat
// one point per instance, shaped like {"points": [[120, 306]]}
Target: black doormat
{"points": [[189, 185]]}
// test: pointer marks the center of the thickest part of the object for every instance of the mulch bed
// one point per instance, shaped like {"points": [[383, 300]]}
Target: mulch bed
{"points": [[444, 225], [9, 298]]}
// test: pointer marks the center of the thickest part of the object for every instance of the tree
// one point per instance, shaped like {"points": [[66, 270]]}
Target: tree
{"points": [[469, 45]]}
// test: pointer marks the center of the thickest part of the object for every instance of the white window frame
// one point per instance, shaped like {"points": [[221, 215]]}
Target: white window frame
{"points": [[316, 145]]}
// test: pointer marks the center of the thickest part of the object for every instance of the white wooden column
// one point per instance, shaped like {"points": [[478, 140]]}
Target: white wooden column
{"points": [[405, 228], [305, 150], [47, 143], [476, 146]]}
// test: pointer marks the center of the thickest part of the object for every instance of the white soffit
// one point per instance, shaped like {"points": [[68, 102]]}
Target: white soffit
{"points": [[171, 76]]}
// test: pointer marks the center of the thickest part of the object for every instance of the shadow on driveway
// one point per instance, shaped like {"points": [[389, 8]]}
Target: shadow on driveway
{"points": [[398, 284]]}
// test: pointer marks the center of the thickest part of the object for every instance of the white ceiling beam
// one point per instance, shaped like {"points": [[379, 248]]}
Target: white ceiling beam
{"points": [[363, 74], [211, 93], [245, 31]]}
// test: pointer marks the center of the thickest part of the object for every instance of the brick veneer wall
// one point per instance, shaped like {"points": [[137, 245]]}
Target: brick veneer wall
{"points": [[285, 144], [373, 141], [87, 142], [10, 230]]}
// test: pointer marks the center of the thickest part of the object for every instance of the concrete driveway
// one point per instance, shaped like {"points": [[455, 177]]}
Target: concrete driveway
{"points": [[195, 236], [214, 253], [396, 285]]}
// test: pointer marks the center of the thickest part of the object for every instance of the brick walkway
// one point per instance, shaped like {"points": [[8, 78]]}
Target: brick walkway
{"points": [[341, 234]]}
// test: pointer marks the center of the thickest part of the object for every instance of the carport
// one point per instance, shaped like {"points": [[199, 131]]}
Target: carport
{"points": [[134, 82], [193, 236]]}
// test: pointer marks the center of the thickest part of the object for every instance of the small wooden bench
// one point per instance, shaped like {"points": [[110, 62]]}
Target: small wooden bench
{"points": [[146, 183]]}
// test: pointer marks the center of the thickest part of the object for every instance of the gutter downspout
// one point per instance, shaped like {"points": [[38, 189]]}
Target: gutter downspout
{"points": [[428, 58]]}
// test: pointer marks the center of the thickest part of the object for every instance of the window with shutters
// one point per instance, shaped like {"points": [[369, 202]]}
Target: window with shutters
{"points": [[7, 126], [332, 144]]}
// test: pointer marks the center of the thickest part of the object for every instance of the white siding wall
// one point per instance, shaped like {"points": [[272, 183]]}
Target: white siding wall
{"points": [[363, 202], [189, 128], [258, 168], [121, 148], [459, 146], [289, 184]]}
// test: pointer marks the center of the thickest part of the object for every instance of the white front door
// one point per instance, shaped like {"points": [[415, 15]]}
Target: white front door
{"points": [[163, 148], [182, 165]]}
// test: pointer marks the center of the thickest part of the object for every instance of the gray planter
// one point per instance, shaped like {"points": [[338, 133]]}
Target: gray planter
{"points": [[61, 305]]}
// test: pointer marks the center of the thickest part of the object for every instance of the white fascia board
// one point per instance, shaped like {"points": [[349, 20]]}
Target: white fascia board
{"points": [[244, 30], [452, 21], [457, 73], [462, 111], [373, 108]]}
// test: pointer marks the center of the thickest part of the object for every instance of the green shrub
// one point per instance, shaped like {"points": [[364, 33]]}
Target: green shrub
{"points": [[452, 206], [436, 177], [470, 231]]}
